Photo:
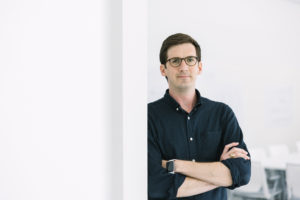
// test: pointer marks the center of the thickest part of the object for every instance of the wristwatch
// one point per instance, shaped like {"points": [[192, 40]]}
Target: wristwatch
{"points": [[171, 166]]}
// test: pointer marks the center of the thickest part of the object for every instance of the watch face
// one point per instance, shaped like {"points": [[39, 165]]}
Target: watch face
{"points": [[170, 166]]}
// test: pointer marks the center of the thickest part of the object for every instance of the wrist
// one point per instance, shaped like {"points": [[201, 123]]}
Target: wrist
{"points": [[183, 166], [178, 164]]}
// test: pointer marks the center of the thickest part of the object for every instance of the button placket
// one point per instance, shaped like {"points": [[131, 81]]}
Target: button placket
{"points": [[191, 138]]}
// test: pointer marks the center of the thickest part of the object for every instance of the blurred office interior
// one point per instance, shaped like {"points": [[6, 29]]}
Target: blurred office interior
{"points": [[250, 56]]}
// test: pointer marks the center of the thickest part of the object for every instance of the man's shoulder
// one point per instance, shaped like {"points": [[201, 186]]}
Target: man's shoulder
{"points": [[216, 106], [156, 104], [213, 103], [215, 109]]}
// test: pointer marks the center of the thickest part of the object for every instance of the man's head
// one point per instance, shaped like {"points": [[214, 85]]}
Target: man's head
{"points": [[176, 39], [180, 58]]}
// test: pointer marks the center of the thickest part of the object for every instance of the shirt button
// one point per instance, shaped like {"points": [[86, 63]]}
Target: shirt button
{"points": [[191, 139], [177, 109], [189, 118], [193, 160]]}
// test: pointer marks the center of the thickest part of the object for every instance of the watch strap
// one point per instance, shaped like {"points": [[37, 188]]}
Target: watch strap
{"points": [[170, 165]]}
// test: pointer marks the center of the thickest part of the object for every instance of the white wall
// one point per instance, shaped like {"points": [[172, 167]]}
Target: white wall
{"points": [[70, 126], [250, 53], [53, 116], [134, 99], [61, 101]]}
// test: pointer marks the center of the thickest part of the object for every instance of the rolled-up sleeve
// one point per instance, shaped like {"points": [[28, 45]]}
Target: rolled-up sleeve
{"points": [[161, 184], [240, 168]]}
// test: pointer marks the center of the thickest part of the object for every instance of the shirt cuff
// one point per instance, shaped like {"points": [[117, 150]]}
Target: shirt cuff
{"points": [[178, 181], [229, 163]]}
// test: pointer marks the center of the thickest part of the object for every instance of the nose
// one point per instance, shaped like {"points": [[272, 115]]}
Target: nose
{"points": [[183, 66]]}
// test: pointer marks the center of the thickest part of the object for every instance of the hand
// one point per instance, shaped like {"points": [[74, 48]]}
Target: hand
{"points": [[234, 152], [164, 164]]}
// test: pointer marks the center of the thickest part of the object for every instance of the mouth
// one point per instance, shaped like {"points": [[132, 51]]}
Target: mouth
{"points": [[183, 76]]}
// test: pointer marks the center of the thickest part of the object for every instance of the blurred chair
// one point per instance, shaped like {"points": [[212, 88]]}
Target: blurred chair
{"points": [[258, 187], [257, 154], [279, 151], [293, 183]]}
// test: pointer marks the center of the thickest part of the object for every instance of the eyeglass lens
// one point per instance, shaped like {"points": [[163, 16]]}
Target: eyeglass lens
{"points": [[190, 61]]}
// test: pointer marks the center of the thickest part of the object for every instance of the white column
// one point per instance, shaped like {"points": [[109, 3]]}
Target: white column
{"points": [[134, 99], [56, 135]]}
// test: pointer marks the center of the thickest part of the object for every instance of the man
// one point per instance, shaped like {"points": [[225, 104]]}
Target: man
{"points": [[195, 145]]}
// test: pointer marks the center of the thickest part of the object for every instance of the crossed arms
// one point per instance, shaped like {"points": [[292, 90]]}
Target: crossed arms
{"points": [[205, 176], [193, 178]]}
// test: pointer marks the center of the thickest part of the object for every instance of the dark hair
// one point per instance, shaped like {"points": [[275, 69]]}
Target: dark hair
{"points": [[176, 39]]}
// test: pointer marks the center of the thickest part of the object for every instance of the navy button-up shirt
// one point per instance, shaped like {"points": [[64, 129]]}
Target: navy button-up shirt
{"points": [[200, 135]]}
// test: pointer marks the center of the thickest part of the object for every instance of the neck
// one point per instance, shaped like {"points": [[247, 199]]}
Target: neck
{"points": [[186, 99]]}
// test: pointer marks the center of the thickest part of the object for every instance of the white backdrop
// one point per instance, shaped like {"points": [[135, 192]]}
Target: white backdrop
{"points": [[53, 117], [250, 55], [70, 125]]}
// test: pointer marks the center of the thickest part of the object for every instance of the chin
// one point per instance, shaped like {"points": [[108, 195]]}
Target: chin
{"points": [[184, 86]]}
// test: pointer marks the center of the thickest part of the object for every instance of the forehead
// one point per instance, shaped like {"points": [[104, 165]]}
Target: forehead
{"points": [[181, 50]]}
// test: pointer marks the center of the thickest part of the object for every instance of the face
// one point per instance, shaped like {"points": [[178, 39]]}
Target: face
{"points": [[184, 76]]}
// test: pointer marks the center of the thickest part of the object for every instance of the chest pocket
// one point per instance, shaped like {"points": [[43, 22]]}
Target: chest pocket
{"points": [[210, 148]]}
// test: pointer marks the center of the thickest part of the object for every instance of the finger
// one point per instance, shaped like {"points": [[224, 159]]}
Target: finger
{"points": [[235, 153], [245, 157], [232, 155], [228, 146], [236, 149], [241, 155], [243, 151]]}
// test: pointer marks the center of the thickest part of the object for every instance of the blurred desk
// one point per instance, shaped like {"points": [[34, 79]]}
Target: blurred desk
{"points": [[280, 163], [277, 166]]}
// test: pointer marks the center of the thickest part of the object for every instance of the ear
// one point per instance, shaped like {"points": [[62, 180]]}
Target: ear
{"points": [[163, 70], [199, 68]]}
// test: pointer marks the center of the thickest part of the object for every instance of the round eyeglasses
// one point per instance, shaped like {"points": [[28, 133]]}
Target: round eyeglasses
{"points": [[176, 61]]}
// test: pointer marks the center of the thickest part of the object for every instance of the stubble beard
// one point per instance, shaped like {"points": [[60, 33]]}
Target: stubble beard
{"points": [[181, 86]]}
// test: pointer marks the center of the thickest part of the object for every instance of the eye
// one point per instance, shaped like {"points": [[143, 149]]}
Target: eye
{"points": [[191, 59], [175, 61]]}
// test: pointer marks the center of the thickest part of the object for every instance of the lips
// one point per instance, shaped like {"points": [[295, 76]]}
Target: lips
{"points": [[183, 76]]}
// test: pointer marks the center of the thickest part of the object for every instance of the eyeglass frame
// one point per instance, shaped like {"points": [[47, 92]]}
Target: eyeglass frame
{"points": [[197, 60]]}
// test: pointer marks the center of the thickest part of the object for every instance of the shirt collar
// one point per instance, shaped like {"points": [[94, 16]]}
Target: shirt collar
{"points": [[172, 102]]}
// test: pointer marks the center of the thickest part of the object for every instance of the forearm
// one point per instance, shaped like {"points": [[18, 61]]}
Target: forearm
{"points": [[192, 186], [215, 173]]}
